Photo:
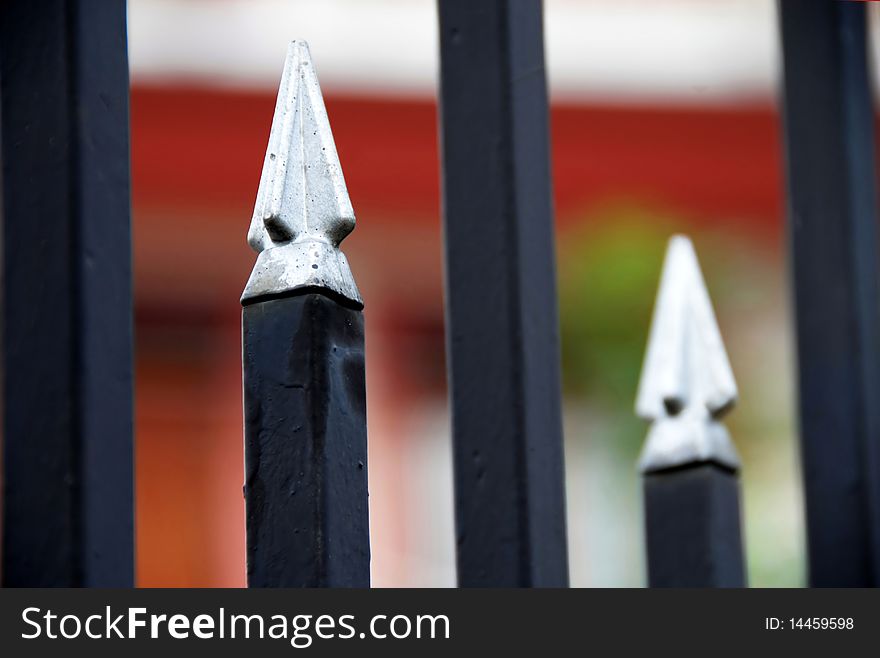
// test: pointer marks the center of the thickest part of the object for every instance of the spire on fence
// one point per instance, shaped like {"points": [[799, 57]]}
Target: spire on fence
{"points": [[303, 359], [689, 465], [687, 384], [302, 211]]}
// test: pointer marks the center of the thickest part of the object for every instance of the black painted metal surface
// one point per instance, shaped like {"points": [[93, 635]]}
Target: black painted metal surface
{"points": [[501, 309], [67, 323], [305, 444], [692, 527], [832, 216]]}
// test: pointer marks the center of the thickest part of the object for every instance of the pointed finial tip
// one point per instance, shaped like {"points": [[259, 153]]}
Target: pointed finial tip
{"points": [[302, 211], [680, 246], [686, 383], [298, 47]]}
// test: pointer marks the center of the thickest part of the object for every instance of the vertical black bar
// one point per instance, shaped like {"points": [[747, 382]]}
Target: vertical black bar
{"points": [[68, 472], [692, 527], [502, 327], [832, 214], [305, 444]]}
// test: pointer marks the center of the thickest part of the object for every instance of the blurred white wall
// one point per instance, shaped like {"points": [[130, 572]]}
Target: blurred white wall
{"points": [[651, 51]]}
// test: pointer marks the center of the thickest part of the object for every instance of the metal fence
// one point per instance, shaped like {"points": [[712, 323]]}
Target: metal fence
{"points": [[67, 321]]}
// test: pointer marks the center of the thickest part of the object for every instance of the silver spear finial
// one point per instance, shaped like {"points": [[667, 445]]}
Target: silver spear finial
{"points": [[302, 211], [687, 384]]}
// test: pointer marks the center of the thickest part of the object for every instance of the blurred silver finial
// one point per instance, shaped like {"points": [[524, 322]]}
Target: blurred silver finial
{"points": [[303, 211], [687, 384]]}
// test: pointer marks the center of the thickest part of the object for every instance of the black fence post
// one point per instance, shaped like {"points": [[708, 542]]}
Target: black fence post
{"points": [[832, 215], [689, 465], [67, 321], [303, 358], [501, 309]]}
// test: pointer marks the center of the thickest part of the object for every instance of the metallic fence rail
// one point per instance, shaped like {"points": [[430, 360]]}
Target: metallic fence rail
{"points": [[832, 216], [502, 329], [303, 335], [67, 334], [689, 465]]}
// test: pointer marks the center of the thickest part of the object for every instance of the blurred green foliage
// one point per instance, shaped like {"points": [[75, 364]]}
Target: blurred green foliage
{"points": [[609, 269]]}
